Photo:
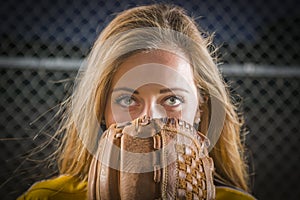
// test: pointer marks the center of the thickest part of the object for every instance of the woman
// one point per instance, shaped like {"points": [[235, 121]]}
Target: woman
{"points": [[150, 60]]}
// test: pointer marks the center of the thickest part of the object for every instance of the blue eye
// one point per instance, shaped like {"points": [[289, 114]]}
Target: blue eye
{"points": [[173, 101], [126, 101]]}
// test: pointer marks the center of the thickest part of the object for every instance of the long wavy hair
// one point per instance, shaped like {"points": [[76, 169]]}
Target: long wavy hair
{"points": [[85, 108]]}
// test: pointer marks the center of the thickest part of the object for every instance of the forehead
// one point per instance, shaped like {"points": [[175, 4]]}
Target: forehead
{"points": [[158, 66]]}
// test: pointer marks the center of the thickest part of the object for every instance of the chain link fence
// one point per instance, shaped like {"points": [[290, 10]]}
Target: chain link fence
{"points": [[256, 32], [44, 42]]}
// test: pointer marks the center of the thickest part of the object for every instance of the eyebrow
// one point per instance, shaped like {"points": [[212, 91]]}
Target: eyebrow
{"points": [[172, 89], [166, 90], [126, 89]]}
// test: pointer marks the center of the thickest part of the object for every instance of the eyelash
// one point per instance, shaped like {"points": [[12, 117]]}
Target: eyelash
{"points": [[180, 98], [124, 96]]}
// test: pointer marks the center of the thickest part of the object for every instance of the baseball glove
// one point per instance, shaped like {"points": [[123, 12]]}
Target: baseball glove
{"points": [[151, 159]]}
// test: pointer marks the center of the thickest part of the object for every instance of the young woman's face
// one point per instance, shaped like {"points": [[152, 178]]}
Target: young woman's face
{"points": [[157, 84]]}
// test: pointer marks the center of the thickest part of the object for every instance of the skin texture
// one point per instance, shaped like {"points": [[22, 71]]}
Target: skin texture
{"points": [[157, 84]]}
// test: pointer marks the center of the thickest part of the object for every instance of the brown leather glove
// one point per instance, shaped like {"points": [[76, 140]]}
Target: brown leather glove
{"points": [[151, 159]]}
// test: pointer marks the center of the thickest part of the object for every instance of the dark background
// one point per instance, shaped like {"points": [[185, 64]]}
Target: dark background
{"points": [[42, 44]]}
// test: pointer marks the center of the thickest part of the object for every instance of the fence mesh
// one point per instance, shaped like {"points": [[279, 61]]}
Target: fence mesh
{"points": [[256, 32], [260, 32]]}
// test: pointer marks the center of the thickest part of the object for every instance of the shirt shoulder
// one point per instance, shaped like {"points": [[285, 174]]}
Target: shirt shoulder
{"points": [[224, 193], [62, 187], [67, 187]]}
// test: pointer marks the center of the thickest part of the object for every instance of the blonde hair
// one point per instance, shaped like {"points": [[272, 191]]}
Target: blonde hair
{"points": [[92, 89]]}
